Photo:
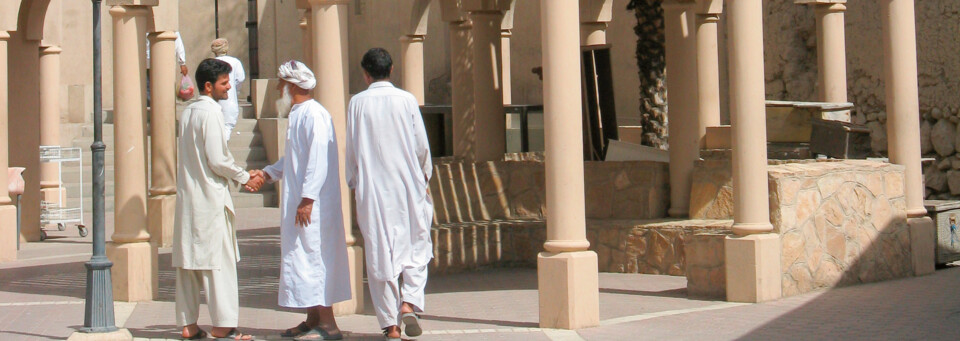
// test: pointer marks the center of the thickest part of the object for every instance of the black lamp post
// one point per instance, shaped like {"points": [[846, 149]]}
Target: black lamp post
{"points": [[98, 313]]}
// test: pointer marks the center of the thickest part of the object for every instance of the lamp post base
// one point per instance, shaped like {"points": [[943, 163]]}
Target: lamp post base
{"points": [[116, 335]]}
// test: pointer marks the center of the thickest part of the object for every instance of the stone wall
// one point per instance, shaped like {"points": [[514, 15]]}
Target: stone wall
{"points": [[791, 70], [841, 222]]}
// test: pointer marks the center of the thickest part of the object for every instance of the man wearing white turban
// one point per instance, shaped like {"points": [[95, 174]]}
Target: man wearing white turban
{"points": [[231, 106], [314, 271]]}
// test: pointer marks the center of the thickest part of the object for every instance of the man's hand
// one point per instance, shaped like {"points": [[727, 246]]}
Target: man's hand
{"points": [[304, 211], [257, 178], [183, 70]]}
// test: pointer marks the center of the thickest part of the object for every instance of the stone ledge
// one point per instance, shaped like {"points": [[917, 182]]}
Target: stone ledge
{"points": [[624, 246]]}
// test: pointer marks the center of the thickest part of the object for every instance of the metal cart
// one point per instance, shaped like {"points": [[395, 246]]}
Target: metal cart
{"points": [[60, 214]]}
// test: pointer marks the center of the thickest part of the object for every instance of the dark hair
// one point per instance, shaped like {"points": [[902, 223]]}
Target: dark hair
{"points": [[210, 70], [377, 63]]}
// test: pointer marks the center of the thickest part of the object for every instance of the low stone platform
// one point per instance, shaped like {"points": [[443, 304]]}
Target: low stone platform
{"points": [[657, 247]]}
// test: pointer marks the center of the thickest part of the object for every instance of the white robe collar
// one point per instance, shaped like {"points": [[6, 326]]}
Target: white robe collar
{"points": [[380, 84], [209, 100]]}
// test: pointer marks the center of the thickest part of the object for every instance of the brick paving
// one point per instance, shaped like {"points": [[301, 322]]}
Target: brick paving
{"points": [[41, 297]]}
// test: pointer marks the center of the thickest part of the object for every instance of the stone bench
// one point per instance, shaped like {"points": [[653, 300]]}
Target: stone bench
{"points": [[492, 213]]}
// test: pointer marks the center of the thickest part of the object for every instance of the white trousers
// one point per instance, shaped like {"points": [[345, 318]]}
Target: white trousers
{"points": [[387, 296], [221, 287]]}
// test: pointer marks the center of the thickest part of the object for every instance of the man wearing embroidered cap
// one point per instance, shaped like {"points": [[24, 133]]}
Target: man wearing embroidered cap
{"points": [[314, 271]]}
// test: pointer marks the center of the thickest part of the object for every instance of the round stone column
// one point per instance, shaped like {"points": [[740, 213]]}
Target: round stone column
{"points": [[133, 256], [50, 190], [329, 57], [903, 108], [832, 52], [903, 124], [411, 50], [566, 271], [8, 212], [681, 60], [708, 74], [163, 149], [753, 254]]}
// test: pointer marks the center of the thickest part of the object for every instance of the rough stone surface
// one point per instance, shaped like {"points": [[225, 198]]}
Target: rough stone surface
{"points": [[926, 143], [953, 181], [841, 222], [851, 231], [944, 137]]}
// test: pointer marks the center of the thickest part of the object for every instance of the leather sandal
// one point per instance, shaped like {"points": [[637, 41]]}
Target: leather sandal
{"points": [[295, 331], [199, 335], [236, 335], [411, 324]]}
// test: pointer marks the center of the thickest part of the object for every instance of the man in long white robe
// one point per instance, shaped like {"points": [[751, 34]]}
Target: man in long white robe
{"points": [[388, 164], [314, 270], [231, 105], [205, 252]]}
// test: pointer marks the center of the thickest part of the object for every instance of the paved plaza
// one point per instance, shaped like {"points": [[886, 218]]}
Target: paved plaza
{"points": [[41, 297]]}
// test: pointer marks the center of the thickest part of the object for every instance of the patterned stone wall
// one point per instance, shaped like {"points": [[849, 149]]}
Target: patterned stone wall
{"points": [[840, 223]]}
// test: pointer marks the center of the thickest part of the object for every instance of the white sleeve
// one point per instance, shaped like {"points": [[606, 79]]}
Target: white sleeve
{"points": [[181, 52], [420, 138], [316, 137], [350, 162]]}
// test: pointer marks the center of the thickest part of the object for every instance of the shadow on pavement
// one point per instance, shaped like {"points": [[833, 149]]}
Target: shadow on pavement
{"points": [[925, 308]]}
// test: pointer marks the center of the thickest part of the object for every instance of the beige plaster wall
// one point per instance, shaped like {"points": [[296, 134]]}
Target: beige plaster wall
{"points": [[198, 29]]}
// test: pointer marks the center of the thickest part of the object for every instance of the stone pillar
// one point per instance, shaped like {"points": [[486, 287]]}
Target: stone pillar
{"points": [[681, 60], [753, 255], [50, 190], [8, 212], [903, 120], [567, 271], [491, 123], [134, 257], [306, 25], [507, 68], [329, 60], [411, 50], [461, 90], [831, 49], [163, 149], [708, 72]]}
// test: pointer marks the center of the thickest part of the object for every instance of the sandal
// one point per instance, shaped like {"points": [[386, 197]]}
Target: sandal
{"points": [[386, 333], [236, 335], [411, 324], [318, 334], [199, 335], [295, 331]]}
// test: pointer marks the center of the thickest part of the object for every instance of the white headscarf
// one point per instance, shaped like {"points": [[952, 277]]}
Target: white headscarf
{"points": [[297, 74], [219, 47]]}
